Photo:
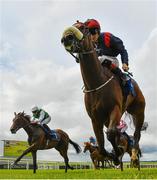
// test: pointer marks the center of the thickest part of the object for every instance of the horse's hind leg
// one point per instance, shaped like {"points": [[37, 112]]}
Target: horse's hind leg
{"points": [[138, 122], [137, 112], [66, 159], [137, 109]]}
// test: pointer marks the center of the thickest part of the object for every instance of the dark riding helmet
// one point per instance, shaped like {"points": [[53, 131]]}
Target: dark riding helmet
{"points": [[91, 138], [93, 26]]}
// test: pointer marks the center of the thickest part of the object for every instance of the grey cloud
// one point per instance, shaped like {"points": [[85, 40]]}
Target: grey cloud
{"points": [[37, 70]]}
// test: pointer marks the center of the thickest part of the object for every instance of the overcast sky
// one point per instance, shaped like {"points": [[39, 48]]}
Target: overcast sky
{"points": [[35, 69]]}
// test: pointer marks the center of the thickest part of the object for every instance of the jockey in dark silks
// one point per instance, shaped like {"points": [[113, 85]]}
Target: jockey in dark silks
{"points": [[43, 118], [108, 47]]}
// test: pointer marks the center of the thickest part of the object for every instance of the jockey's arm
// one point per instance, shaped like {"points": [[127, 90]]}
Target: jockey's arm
{"points": [[117, 43], [33, 119], [42, 115]]}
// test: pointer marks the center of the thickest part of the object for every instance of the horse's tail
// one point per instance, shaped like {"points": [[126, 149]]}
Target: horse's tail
{"points": [[144, 126], [139, 152], [76, 146]]}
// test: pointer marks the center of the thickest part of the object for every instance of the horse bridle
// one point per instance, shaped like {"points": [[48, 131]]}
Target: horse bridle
{"points": [[102, 85], [29, 123], [87, 52]]}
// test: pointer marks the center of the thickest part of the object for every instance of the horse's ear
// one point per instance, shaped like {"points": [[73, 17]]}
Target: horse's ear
{"points": [[15, 113], [22, 113]]}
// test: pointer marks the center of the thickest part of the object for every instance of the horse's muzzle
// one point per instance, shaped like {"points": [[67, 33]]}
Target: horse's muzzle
{"points": [[13, 131], [67, 41]]}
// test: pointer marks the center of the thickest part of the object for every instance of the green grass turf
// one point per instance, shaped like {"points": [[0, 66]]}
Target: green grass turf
{"points": [[81, 174]]}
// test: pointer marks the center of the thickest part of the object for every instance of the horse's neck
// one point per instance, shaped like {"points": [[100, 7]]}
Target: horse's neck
{"points": [[92, 71], [29, 129], [91, 149]]}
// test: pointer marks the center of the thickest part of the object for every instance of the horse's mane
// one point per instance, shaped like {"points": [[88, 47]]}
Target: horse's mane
{"points": [[28, 117]]}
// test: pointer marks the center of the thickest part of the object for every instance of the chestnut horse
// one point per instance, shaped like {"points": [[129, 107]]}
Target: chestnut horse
{"points": [[104, 100], [96, 157], [38, 141]]}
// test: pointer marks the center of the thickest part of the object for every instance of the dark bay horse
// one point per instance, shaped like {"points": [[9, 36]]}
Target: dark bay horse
{"points": [[37, 140], [125, 147], [104, 98], [96, 157]]}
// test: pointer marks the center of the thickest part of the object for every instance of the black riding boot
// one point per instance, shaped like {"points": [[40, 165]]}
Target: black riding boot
{"points": [[120, 74], [48, 131], [47, 128]]}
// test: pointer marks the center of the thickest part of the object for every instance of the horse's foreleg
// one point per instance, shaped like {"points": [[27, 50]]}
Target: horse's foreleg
{"points": [[24, 153], [95, 162], [112, 132], [98, 130], [34, 155]]}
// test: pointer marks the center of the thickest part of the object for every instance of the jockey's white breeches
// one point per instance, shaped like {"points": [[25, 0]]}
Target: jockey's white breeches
{"points": [[114, 60], [46, 121]]}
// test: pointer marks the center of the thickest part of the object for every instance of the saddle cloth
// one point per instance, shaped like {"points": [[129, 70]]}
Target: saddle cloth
{"points": [[54, 134]]}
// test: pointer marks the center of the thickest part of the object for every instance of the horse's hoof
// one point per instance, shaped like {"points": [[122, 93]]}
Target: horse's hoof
{"points": [[116, 161], [12, 165]]}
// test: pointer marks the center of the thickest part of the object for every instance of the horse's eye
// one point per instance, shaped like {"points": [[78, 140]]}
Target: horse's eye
{"points": [[70, 37]]}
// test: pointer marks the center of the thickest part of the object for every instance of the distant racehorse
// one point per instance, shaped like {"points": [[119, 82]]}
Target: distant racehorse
{"points": [[96, 157], [38, 141], [104, 99], [125, 147]]}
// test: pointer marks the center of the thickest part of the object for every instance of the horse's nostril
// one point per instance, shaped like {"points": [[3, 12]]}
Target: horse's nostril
{"points": [[70, 38], [13, 131]]}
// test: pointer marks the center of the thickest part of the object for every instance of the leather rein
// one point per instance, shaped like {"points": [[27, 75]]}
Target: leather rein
{"points": [[102, 85]]}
